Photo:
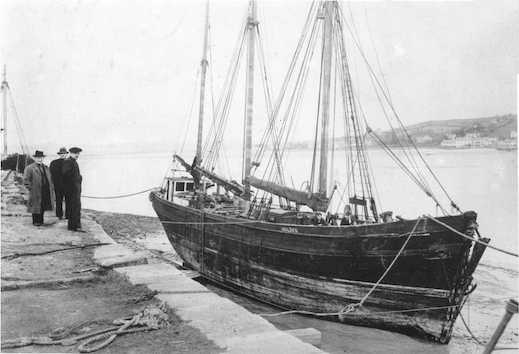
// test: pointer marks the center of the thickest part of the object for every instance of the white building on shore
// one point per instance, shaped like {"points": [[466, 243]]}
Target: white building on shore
{"points": [[508, 144], [471, 140]]}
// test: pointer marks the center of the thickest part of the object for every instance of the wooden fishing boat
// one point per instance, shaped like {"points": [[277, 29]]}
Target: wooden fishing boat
{"points": [[359, 266]]}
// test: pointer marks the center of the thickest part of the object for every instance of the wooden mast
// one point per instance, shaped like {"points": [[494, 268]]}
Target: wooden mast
{"points": [[203, 65], [4, 109], [247, 163], [326, 63]]}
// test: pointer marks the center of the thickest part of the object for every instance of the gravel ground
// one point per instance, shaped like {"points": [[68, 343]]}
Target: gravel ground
{"points": [[137, 232], [32, 255], [37, 312]]}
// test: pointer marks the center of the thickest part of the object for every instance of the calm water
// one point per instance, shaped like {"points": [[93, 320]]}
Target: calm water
{"points": [[480, 180]]}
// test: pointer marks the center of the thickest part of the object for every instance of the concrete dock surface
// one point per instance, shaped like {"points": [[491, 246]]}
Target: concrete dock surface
{"points": [[53, 278]]}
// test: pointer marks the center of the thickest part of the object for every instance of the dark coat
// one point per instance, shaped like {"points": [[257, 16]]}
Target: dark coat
{"points": [[56, 171], [72, 187], [33, 181], [71, 176]]}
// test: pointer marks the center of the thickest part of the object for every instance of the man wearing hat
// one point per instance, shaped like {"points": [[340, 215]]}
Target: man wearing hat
{"points": [[56, 170], [72, 186], [38, 181]]}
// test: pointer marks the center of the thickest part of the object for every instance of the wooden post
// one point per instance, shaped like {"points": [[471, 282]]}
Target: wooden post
{"points": [[247, 163], [203, 64], [512, 307], [326, 66]]}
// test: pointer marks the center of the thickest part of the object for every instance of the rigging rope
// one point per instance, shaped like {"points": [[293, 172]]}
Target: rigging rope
{"points": [[471, 238], [406, 170], [212, 146], [374, 49], [371, 71], [284, 86], [350, 105], [227, 82], [19, 130], [188, 123], [296, 96], [309, 36], [317, 121], [268, 99]]}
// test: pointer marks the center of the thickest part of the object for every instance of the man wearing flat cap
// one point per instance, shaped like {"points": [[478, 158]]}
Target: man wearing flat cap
{"points": [[72, 187], [38, 181], [56, 171]]}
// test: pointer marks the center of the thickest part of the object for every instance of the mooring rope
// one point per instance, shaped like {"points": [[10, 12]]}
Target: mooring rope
{"points": [[471, 238], [351, 307], [392, 262], [210, 223], [476, 339], [120, 195], [303, 312]]}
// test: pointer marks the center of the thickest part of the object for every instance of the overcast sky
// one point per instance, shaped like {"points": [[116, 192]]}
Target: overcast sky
{"points": [[124, 71]]}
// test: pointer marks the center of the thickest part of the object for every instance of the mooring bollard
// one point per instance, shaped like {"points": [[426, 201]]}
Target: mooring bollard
{"points": [[512, 307]]}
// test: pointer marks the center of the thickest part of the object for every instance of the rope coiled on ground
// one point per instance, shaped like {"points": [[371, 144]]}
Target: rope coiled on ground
{"points": [[150, 318]]}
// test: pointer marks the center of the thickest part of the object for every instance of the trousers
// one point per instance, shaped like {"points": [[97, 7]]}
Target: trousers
{"points": [[37, 219], [73, 205], [60, 197]]}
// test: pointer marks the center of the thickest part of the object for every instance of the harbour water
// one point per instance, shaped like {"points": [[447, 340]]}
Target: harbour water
{"points": [[482, 180]]}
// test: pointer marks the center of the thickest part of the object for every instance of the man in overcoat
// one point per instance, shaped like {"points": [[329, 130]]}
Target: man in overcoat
{"points": [[72, 186], [38, 181], [56, 171]]}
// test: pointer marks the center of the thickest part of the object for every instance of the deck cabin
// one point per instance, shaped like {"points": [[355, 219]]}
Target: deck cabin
{"points": [[181, 186]]}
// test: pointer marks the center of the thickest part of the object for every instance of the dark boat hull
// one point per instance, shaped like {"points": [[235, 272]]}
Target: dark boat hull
{"points": [[321, 269], [16, 162]]}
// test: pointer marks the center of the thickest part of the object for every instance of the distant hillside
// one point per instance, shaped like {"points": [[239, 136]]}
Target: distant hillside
{"points": [[498, 127], [432, 133]]}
